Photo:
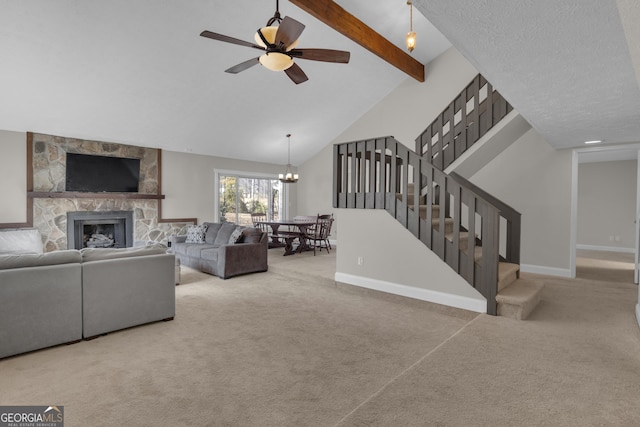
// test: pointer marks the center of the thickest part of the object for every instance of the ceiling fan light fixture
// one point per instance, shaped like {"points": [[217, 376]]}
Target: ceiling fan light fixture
{"points": [[276, 61], [269, 34]]}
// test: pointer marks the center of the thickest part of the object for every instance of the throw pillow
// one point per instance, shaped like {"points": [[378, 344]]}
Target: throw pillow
{"points": [[195, 233], [236, 236]]}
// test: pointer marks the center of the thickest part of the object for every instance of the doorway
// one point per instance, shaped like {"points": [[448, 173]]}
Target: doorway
{"points": [[605, 202]]}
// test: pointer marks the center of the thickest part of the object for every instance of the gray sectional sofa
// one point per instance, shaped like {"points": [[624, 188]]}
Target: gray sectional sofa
{"points": [[218, 252], [64, 296]]}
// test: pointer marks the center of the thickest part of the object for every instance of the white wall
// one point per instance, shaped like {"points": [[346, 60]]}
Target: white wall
{"points": [[188, 182], [316, 186], [404, 114], [394, 260], [530, 175], [187, 179], [535, 179], [410, 108], [607, 204], [13, 176]]}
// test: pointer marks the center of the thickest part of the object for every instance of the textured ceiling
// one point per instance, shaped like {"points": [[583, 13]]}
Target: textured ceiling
{"points": [[137, 72], [566, 66]]}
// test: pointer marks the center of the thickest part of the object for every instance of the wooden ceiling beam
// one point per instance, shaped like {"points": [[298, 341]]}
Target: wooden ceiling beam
{"points": [[348, 25]]}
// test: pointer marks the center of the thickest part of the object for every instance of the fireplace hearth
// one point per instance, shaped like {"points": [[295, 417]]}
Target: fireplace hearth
{"points": [[108, 229]]}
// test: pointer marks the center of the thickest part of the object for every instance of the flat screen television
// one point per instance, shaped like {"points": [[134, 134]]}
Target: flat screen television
{"points": [[97, 174]]}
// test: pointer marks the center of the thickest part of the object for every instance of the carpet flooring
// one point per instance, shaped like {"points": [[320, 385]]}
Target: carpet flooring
{"points": [[291, 348]]}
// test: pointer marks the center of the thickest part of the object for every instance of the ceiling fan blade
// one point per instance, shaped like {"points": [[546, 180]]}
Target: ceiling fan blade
{"points": [[325, 55], [223, 38], [288, 31], [296, 74], [242, 66]]}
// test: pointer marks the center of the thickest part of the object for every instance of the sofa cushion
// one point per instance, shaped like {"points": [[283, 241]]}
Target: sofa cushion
{"points": [[9, 261], [97, 254], [251, 235], [212, 231], [210, 254], [225, 232], [195, 233], [236, 235], [194, 250]]}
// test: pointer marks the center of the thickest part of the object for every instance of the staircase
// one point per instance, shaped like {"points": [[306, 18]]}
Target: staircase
{"points": [[477, 235]]}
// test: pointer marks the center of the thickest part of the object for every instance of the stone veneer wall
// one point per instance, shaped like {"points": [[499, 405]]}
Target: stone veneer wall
{"points": [[50, 214]]}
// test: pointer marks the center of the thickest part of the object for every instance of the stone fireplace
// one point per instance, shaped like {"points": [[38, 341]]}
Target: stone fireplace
{"points": [[53, 204], [108, 229]]}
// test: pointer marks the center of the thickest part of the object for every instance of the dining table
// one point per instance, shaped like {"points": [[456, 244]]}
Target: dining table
{"points": [[286, 238]]}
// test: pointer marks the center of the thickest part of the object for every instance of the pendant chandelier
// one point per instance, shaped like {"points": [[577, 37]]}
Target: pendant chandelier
{"points": [[288, 177], [411, 35]]}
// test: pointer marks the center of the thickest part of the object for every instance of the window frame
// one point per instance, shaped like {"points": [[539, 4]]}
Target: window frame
{"points": [[246, 174]]}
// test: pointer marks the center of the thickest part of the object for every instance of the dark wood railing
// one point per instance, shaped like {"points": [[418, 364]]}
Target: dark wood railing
{"points": [[509, 221], [467, 119], [379, 174]]}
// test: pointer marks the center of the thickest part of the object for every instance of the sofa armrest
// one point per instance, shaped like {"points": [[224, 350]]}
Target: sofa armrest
{"points": [[242, 258]]}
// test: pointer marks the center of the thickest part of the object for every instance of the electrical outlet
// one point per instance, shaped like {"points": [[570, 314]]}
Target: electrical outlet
{"points": [[360, 260], [617, 238]]}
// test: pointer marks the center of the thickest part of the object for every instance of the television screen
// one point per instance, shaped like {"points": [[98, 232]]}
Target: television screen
{"points": [[96, 174]]}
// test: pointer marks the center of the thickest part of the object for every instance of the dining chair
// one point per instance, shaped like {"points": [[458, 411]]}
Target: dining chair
{"points": [[319, 238], [256, 218], [327, 217]]}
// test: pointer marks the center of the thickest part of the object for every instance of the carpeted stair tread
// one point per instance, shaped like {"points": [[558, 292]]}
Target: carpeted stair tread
{"points": [[507, 274], [448, 225], [464, 239], [435, 211], [518, 300]]}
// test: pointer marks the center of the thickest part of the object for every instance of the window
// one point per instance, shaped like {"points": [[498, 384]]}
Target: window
{"points": [[239, 195]]}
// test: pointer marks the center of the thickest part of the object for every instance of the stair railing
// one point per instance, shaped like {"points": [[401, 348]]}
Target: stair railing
{"points": [[467, 119], [509, 221], [379, 173]]}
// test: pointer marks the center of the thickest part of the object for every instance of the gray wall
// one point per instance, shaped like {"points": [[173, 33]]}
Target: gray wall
{"points": [[391, 254], [607, 205], [535, 179], [404, 114], [530, 175], [13, 176], [187, 180]]}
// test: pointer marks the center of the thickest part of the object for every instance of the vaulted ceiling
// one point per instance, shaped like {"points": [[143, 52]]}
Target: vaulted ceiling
{"points": [[137, 71]]}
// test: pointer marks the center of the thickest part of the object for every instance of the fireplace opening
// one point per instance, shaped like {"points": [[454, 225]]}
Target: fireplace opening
{"points": [[112, 229], [98, 235]]}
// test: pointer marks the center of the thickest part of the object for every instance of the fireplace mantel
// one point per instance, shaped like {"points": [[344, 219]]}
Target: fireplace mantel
{"points": [[81, 195]]}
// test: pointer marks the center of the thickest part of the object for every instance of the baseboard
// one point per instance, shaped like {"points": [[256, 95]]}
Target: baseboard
{"points": [[606, 248], [457, 301], [547, 271]]}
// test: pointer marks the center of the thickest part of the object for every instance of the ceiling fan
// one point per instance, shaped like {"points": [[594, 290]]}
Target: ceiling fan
{"points": [[279, 46]]}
